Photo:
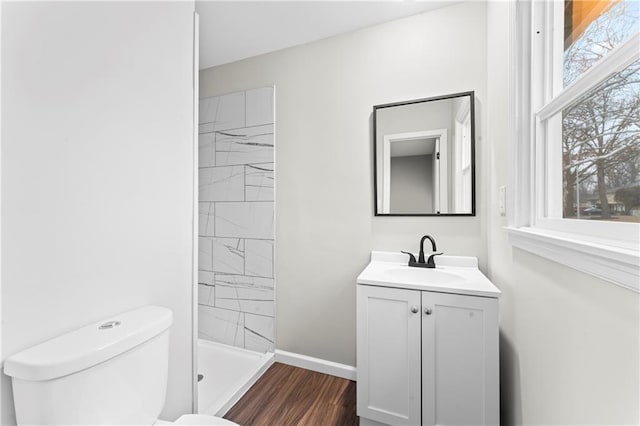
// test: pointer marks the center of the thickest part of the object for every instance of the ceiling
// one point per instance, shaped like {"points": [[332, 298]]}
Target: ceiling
{"points": [[234, 30]]}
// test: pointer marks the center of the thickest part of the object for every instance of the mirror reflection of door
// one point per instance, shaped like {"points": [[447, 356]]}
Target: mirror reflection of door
{"points": [[414, 171]]}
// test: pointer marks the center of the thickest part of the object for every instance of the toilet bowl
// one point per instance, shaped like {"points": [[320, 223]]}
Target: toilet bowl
{"points": [[107, 373]]}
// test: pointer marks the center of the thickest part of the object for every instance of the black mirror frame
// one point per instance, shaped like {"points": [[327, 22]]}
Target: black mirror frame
{"points": [[473, 154]]}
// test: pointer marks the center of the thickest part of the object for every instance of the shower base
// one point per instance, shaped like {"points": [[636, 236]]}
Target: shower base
{"points": [[227, 373]]}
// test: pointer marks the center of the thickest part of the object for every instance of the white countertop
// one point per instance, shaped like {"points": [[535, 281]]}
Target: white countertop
{"points": [[452, 274]]}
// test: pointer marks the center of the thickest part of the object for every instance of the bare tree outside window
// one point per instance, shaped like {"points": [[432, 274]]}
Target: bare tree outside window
{"points": [[601, 132]]}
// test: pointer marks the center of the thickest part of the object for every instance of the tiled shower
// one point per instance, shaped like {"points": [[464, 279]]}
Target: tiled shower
{"points": [[236, 303]]}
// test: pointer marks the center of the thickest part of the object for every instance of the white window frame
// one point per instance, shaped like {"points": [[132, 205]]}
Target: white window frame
{"points": [[608, 250]]}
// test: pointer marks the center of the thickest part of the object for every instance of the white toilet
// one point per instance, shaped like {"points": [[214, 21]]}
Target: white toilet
{"points": [[112, 372]]}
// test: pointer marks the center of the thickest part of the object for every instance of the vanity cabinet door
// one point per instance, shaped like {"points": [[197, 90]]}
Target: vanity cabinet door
{"points": [[388, 357], [459, 360]]}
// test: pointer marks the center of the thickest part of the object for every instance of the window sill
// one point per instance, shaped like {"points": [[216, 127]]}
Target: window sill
{"points": [[620, 266]]}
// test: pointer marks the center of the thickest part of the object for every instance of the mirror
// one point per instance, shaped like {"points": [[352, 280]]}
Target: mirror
{"points": [[424, 158]]}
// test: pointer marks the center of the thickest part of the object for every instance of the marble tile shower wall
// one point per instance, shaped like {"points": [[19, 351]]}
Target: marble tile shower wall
{"points": [[236, 219]]}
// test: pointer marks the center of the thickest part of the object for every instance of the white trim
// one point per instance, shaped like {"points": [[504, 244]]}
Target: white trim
{"points": [[1, 350], [194, 230], [461, 178], [386, 174], [556, 47], [443, 172], [440, 198], [520, 191], [435, 171], [616, 265], [275, 222], [616, 60], [621, 235], [316, 364], [463, 111]]}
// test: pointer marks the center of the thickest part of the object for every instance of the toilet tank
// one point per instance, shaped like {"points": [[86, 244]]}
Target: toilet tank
{"points": [[110, 372]]}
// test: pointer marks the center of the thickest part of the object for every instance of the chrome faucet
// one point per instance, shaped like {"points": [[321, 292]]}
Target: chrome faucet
{"points": [[420, 263]]}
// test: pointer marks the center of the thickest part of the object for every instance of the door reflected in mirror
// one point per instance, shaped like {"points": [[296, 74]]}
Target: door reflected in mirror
{"points": [[424, 156]]}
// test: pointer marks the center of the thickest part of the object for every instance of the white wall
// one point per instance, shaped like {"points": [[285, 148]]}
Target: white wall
{"points": [[97, 172], [325, 226], [569, 341]]}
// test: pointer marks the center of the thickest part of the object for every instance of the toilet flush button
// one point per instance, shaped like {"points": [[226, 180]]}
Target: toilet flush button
{"points": [[108, 325]]}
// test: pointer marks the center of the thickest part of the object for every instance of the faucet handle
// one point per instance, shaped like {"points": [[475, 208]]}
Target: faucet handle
{"points": [[430, 261], [412, 258]]}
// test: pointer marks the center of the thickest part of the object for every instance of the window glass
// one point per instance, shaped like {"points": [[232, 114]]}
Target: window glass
{"points": [[601, 151], [594, 28]]}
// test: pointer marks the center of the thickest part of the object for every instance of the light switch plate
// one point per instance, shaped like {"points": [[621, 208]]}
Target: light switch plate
{"points": [[502, 200]]}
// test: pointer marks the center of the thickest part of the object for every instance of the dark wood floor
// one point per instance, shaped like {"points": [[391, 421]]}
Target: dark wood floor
{"points": [[287, 395]]}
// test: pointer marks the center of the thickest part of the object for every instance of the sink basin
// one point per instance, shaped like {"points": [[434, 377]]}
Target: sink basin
{"points": [[421, 275], [452, 274]]}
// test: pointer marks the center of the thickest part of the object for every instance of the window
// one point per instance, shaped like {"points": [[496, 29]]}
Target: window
{"points": [[577, 155]]}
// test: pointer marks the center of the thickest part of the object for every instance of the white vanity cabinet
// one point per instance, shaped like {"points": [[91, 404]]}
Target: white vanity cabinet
{"points": [[426, 357]]}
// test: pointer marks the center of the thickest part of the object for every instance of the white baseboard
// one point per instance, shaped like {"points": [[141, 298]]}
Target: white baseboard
{"points": [[316, 364]]}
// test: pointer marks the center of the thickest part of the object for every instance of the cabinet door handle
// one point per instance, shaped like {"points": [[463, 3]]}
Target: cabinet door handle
{"points": [[414, 309], [428, 311]]}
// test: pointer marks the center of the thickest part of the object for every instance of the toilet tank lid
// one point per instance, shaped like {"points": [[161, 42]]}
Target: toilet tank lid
{"points": [[89, 345]]}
